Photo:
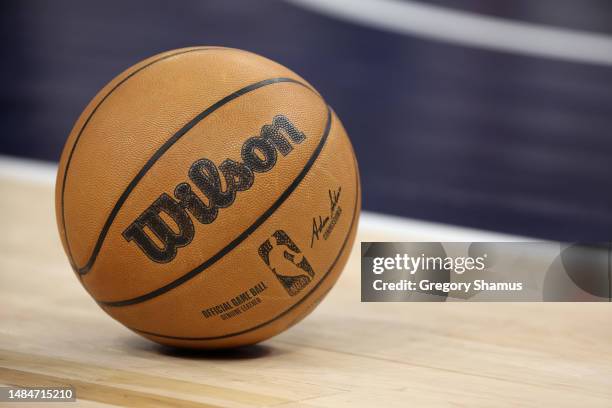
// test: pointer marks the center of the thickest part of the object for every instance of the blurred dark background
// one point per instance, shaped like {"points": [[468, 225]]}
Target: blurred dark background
{"points": [[446, 132]]}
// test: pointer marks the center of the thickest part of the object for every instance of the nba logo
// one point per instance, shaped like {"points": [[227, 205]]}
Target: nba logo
{"points": [[286, 261]]}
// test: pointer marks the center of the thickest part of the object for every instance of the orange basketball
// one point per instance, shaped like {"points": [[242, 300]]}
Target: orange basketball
{"points": [[207, 197]]}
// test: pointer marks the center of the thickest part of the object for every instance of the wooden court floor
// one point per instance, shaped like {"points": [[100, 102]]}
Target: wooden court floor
{"points": [[346, 354]]}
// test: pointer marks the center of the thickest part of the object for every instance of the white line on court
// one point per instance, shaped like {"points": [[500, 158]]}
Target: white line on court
{"points": [[398, 229], [27, 170], [391, 227], [471, 29]]}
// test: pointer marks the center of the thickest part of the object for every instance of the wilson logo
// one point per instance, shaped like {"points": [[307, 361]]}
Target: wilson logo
{"points": [[259, 155]]}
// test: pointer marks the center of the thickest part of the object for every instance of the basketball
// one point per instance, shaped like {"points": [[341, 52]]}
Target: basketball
{"points": [[207, 197]]}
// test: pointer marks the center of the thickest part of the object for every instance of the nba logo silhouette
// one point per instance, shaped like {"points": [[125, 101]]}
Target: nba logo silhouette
{"points": [[286, 261]]}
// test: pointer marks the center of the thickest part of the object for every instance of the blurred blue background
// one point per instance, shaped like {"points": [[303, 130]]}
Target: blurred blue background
{"points": [[496, 130]]}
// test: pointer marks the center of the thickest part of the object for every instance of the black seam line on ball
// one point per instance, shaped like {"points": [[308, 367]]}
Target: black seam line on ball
{"points": [[236, 241], [162, 150], [72, 149], [333, 265]]}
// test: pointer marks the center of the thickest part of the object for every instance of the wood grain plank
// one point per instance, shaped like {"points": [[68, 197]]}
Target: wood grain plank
{"points": [[347, 353], [70, 370], [96, 392]]}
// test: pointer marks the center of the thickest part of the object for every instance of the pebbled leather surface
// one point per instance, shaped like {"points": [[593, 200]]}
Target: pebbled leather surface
{"points": [[130, 120]]}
